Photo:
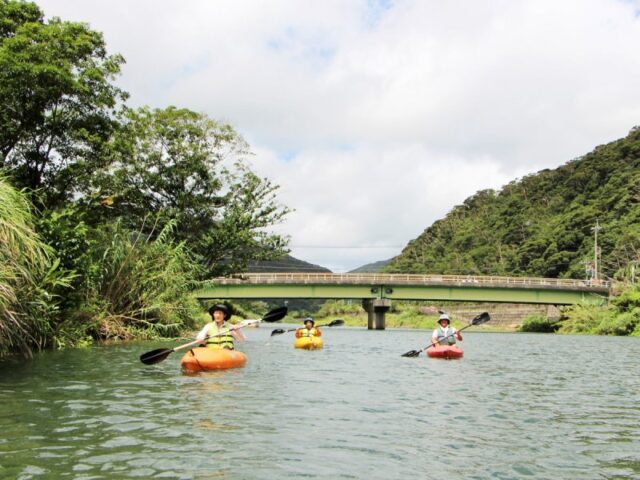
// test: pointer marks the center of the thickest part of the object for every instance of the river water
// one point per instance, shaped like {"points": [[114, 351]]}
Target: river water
{"points": [[517, 406]]}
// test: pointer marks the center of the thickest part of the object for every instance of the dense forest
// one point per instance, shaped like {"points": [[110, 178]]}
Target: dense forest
{"points": [[373, 267], [109, 214], [544, 225], [283, 265]]}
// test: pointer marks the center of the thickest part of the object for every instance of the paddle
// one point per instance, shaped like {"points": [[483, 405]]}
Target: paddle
{"points": [[335, 323], [158, 355], [479, 320]]}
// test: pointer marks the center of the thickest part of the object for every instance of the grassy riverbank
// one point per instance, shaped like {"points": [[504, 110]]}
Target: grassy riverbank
{"points": [[411, 315], [408, 321], [620, 317]]}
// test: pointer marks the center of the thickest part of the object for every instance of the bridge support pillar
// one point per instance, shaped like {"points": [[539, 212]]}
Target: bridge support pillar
{"points": [[376, 308]]}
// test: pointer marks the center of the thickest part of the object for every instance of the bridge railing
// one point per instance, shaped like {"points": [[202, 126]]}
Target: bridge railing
{"points": [[410, 279]]}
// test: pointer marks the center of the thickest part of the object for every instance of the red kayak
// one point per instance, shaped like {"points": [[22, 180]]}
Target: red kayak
{"points": [[445, 351]]}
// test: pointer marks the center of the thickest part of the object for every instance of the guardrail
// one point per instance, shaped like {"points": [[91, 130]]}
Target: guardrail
{"points": [[409, 279]]}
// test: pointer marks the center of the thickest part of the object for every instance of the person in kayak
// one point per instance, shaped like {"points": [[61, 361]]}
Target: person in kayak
{"points": [[218, 333], [309, 329], [444, 334]]}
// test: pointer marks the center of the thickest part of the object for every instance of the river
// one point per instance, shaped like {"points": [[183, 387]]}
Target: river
{"points": [[517, 406]]}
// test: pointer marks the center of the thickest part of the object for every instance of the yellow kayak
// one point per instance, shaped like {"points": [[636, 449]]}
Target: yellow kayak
{"points": [[309, 343]]}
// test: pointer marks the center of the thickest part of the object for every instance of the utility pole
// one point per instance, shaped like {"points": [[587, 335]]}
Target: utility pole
{"points": [[588, 269], [595, 229]]}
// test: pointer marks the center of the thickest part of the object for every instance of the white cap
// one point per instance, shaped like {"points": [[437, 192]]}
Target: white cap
{"points": [[444, 316]]}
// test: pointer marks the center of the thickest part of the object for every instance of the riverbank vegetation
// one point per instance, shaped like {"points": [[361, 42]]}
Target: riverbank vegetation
{"points": [[620, 317], [109, 214], [30, 278], [402, 314]]}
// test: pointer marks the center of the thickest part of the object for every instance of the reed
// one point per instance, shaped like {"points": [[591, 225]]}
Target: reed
{"points": [[140, 288], [24, 264]]}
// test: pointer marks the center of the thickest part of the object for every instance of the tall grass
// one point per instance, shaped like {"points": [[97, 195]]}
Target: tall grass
{"points": [[139, 287], [401, 315], [132, 285], [25, 266]]}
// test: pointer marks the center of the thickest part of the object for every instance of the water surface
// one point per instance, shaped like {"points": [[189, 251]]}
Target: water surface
{"points": [[517, 406]]}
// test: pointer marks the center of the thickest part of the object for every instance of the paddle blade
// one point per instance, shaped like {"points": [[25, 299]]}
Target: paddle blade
{"points": [[336, 323], [411, 353], [155, 356], [277, 331], [275, 314], [484, 317]]}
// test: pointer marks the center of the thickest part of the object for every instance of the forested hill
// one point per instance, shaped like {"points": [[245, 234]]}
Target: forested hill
{"points": [[372, 267], [284, 265], [542, 225]]}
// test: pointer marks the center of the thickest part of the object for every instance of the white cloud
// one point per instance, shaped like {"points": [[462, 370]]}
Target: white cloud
{"points": [[376, 118], [370, 198]]}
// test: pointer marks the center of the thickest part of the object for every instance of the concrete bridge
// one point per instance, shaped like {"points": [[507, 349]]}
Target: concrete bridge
{"points": [[378, 290]]}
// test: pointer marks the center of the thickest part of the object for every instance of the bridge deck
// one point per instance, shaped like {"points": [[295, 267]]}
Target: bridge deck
{"points": [[383, 288], [600, 287]]}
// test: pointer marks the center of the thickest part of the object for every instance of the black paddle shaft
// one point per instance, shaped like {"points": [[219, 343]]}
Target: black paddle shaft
{"points": [[484, 317], [335, 323]]}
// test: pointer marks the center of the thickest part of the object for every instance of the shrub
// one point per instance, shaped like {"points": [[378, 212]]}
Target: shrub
{"points": [[584, 318], [628, 299], [339, 307], [538, 323], [138, 286], [620, 324]]}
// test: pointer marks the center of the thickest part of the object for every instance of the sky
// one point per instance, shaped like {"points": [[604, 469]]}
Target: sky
{"points": [[377, 117]]}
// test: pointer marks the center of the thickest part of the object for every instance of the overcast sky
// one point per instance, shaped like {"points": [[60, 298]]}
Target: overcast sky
{"points": [[377, 117]]}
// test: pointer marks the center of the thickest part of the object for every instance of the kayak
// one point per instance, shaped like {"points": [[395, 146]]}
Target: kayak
{"points": [[309, 343], [445, 351], [201, 359]]}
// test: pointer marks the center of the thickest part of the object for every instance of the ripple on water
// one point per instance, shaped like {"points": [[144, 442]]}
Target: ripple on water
{"points": [[516, 406]]}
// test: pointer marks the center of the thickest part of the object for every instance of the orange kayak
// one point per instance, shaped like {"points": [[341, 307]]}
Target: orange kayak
{"points": [[201, 359], [445, 351]]}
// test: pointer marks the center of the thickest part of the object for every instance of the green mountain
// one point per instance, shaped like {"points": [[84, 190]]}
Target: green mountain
{"points": [[543, 224], [285, 264], [300, 307], [373, 267]]}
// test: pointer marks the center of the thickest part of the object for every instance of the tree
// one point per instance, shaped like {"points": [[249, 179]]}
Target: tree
{"points": [[56, 100], [13, 14], [179, 165]]}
